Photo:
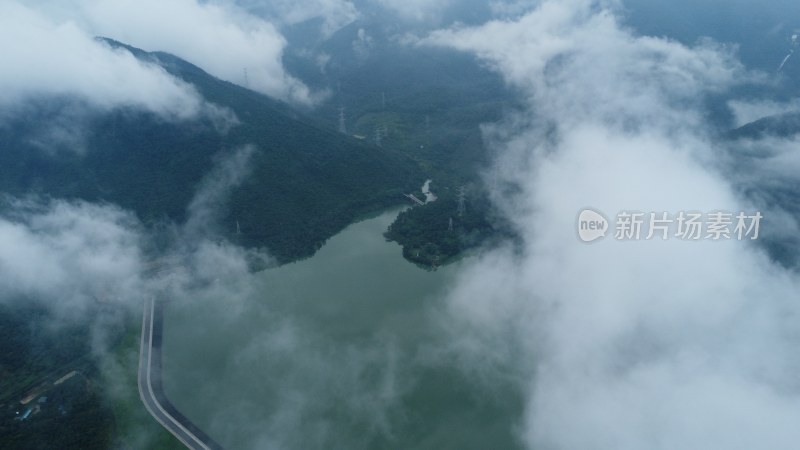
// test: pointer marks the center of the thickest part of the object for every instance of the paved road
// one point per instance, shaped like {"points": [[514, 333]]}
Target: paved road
{"points": [[150, 388]]}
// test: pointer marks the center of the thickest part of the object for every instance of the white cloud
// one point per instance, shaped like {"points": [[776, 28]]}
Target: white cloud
{"points": [[78, 258], [73, 256], [208, 204], [511, 8], [334, 14], [217, 36], [418, 10], [363, 44], [634, 345], [437, 12], [552, 44], [44, 57], [745, 112]]}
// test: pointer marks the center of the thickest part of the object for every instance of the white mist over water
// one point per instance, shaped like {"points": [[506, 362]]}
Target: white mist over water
{"points": [[656, 345], [338, 351]]}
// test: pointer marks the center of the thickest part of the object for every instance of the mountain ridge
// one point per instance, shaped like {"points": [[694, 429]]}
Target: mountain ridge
{"points": [[307, 182]]}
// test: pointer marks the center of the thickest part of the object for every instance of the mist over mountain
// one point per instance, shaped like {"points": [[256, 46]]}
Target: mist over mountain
{"points": [[304, 183], [168, 151]]}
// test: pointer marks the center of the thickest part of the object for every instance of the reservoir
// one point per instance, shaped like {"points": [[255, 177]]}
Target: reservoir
{"points": [[339, 351]]}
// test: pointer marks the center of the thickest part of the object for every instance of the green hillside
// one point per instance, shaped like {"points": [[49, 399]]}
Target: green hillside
{"points": [[307, 182]]}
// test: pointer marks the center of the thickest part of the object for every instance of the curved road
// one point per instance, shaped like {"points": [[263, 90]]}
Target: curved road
{"points": [[150, 388]]}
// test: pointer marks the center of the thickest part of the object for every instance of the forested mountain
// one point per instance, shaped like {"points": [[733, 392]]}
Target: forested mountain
{"points": [[428, 102], [305, 182]]}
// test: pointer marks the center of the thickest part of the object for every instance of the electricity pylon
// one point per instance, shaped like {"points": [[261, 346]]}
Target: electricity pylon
{"points": [[462, 197]]}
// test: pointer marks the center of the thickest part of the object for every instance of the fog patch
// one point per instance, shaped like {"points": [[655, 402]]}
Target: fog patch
{"points": [[622, 345]]}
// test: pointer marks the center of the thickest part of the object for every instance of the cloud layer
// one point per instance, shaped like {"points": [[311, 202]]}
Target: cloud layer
{"points": [[334, 14], [60, 56], [217, 36], [622, 345], [50, 58], [73, 256], [656, 345]]}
